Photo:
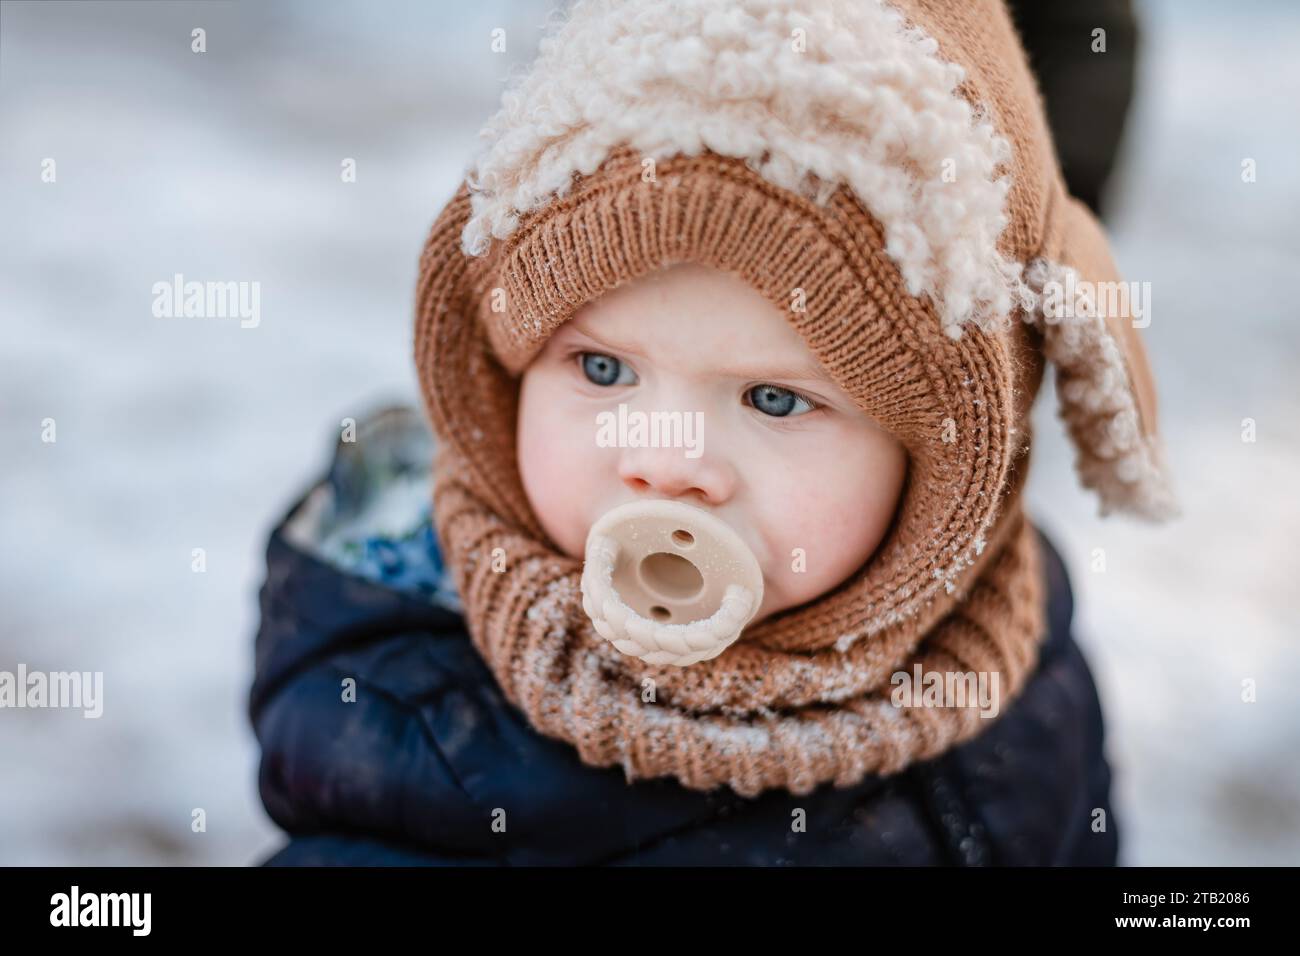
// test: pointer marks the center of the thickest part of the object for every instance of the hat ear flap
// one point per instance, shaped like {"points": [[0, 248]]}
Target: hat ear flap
{"points": [[1089, 319]]}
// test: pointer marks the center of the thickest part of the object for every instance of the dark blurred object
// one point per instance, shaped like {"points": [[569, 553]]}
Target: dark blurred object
{"points": [[1087, 94]]}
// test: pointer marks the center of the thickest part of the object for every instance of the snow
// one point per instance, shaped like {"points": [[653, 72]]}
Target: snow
{"points": [[1184, 614], [175, 434]]}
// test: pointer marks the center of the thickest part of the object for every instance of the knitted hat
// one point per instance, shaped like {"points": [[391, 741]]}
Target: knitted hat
{"points": [[893, 163]]}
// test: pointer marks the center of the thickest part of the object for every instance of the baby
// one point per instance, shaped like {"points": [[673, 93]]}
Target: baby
{"points": [[837, 237]]}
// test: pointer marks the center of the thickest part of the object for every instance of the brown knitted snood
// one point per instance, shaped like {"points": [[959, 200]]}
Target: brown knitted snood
{"points": [[805, 696], [892, 161]]}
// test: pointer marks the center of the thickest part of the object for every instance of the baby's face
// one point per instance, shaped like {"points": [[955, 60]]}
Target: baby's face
{"points": [[785, 456]]}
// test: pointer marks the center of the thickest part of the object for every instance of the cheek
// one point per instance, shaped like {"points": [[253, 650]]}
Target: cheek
{"points": [[556, 449], [835, 501]]}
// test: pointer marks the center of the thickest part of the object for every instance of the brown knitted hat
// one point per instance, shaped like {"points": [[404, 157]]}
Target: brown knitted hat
{"points": [[893, 163]]}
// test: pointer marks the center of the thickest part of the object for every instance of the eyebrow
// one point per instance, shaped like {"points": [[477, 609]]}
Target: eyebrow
{"points": [[801, 371], [613, 347]]}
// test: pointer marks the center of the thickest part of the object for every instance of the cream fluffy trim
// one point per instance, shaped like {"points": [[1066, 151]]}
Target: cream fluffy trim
{"points": [[866, 102], [1114, 458]]}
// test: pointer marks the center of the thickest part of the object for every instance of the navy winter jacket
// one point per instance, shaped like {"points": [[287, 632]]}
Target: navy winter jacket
{"points": [[417, 768]]}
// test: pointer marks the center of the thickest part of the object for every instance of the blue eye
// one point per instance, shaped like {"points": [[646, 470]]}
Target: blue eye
{"points": [[778, 402], [602, 369]]}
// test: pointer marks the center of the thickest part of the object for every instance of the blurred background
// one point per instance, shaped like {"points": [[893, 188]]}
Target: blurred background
{"points": [[175, 434]]}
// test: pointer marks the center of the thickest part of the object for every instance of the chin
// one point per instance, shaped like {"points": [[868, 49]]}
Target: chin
{"points": [[574, 542]]}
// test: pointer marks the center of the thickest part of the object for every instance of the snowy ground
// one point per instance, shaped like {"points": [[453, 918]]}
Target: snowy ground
{"points": [[175, 434]]}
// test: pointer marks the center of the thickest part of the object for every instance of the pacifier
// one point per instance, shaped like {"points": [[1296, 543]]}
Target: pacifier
{"points": [[668, 583]]}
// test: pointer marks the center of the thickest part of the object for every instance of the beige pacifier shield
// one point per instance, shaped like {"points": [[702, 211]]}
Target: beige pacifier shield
{"points": [[668, 582]]}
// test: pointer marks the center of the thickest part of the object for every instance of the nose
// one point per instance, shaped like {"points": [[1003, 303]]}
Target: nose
{"points": [[669, 473]]}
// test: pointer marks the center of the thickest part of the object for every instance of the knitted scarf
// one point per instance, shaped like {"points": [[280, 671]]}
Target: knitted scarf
{"points": [[758, 716]]}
